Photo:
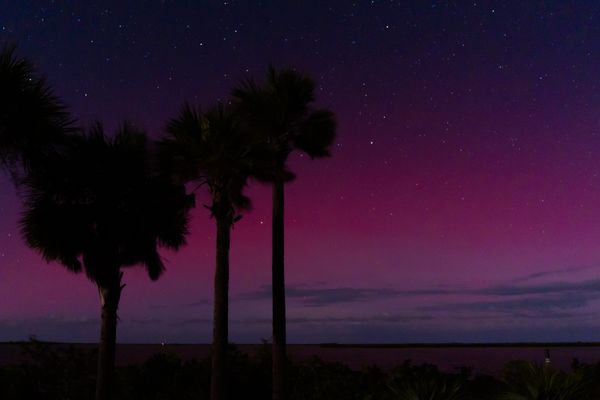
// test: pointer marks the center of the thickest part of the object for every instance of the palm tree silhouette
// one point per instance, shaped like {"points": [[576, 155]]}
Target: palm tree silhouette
{"points": [[212, 149], [280, 110], [98, 206], [33, 121]]}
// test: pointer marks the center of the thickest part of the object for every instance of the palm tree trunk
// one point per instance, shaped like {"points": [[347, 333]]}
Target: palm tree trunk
{"points": [[278, 285], [221, 310], [110, 295]]}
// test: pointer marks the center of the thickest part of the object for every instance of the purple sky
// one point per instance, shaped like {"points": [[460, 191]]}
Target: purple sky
{"points": [[462, 201]]}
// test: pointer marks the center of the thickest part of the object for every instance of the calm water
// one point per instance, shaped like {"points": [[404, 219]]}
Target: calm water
{"points": [[483, 360]]}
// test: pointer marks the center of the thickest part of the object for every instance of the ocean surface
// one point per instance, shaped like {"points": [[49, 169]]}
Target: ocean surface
{"points": [[481, 359]]}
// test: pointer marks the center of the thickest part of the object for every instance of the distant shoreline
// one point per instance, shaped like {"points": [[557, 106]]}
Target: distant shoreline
{"points": [[350, 345], [461, 345]]}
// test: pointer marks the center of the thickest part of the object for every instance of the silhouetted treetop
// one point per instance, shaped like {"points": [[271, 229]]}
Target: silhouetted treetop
{"points": [[100, 205], [281, 109], [33, 121], [213, 148]]}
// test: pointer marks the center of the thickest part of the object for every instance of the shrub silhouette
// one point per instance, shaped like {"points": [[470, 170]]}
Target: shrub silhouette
{"points": [[425, 382], [530, 381], [63, 372]]}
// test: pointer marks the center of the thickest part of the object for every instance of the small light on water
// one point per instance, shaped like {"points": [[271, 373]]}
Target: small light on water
{"points": [[547, 357]]}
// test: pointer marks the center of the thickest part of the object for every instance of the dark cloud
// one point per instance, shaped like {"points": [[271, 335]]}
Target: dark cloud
{"points": [[200, 303], [315, 297], [52, 327], [538, 305], [343, 320], [57, 320], [549, 300], [319, 296], [553, 272], [195, 321], [589, 286], [145, 321]]}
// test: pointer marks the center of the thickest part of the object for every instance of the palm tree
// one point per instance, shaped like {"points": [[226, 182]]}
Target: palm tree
{"points": [[99, 207], [33, 121], [408, 382], [530, 381], [280, 110], [211, 149]]}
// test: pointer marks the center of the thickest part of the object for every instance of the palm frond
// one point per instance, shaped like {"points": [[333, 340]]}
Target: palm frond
{"points": [[530, 381], [292, 89], [214, 147], [101, 201], [279, 111], [33, 121], [316, 133]]}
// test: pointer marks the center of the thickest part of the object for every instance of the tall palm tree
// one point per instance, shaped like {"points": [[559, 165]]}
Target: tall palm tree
{"points": [[33, 121], [280, 110], [211, 149], [98, 206]]}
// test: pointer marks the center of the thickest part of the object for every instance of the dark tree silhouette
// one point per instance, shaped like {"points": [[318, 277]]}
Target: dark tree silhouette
{"points": [[280, 111], [33, 121], [211, 149], [98, 206]]}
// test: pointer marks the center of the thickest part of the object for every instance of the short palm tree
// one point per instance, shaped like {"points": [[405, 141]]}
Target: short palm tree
{"points": [[530, 381], [33, 121], [211, 149], [280, 110], [426, 388], [420, 382], [98, 206]]}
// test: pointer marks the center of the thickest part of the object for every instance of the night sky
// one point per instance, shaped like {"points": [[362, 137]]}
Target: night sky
{"points": [[461, 203]]}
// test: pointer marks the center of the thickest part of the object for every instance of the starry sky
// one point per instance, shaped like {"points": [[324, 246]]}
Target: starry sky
{"points": [[461, 203]]}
